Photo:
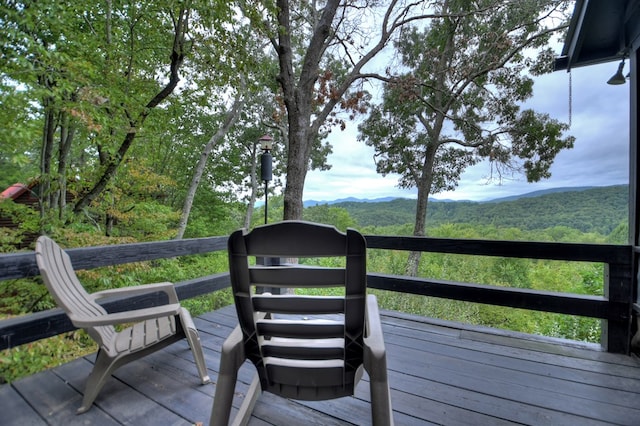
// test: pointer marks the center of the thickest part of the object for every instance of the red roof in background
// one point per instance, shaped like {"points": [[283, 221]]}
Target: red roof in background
{"points": [[14, 191]]}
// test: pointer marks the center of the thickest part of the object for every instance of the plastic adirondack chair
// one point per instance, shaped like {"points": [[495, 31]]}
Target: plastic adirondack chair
{"points": [[303, 347], [152, 329]]}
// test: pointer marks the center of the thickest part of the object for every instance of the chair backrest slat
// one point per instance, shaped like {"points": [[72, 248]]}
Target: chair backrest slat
{"points": [[63, 284], [298, 240], [308, 305], [306, 350], [297, 276], [301, 329]]}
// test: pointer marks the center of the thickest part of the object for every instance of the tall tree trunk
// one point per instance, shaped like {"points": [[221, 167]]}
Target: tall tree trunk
{"points": [[297, 163], [253, 174], [413, 262], [108, 224], [67, 132], [230, 117], [298, 91], [46, 157], [298, 94], [424, 190]]}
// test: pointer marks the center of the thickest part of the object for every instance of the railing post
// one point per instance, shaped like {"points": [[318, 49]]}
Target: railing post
{"points": [[269, 261], [635, 311], [618, 289]]}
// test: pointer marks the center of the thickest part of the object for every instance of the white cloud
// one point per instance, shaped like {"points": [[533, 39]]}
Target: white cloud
{"points": [[599, 121]]}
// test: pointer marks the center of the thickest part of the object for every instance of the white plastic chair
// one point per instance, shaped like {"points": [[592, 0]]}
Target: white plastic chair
{"points": [[153, 328]]}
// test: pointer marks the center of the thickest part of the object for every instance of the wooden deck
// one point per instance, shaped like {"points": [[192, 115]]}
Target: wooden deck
{"points": [[440, 373]]}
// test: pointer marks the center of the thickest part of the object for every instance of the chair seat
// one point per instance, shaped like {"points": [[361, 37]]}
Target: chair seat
{"points": [[144, 334]]}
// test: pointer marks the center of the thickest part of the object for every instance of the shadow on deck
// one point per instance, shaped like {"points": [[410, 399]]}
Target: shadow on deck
{"points": [[440, 373]]}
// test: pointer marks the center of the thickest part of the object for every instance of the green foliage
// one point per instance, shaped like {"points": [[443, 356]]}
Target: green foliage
{"points": [[23, 296], [620, 234], [79, 80], [26, 221], [275, 211], [591, 277], [47, 353], [451, 310], [543, 275], [511, 272], [537, 139], [16, 165], [214, 214], [209, 302], [335, 216], [146, 221]]}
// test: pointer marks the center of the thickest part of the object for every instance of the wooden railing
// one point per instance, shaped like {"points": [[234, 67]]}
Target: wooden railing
{"points": [[615, 308]]}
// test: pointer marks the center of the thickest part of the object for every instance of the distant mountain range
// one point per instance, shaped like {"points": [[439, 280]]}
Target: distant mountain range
{"points": [[541, 192], [588, 209], [311, 203]]}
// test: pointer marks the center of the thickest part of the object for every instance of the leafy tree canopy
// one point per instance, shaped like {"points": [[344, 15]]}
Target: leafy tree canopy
{"points": [[456, 98]]}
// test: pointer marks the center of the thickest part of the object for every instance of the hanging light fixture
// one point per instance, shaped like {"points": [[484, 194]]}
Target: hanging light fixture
{"points": [[266, 143], [618, 77]]}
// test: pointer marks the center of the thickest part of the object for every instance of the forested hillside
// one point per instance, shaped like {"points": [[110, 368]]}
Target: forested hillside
{"points": [[592, 210]]}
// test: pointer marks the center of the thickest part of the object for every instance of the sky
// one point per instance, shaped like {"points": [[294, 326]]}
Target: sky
{"points": [[600, 156]]}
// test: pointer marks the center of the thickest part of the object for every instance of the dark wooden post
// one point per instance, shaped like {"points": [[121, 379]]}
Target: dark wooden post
{"points": [[617, 328], [634, 196]]}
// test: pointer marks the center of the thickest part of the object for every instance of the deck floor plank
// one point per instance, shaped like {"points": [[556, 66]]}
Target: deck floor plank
{"points": [[56, 401], [504, 371], [118, 399], [440, 373], [506, 386], [21, 412]]}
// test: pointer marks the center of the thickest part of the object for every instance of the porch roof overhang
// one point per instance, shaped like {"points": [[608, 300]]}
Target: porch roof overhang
{"points": [[600, 31]]}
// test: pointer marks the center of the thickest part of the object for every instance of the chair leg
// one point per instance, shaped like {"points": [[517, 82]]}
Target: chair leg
{"points": [[376, 366], [375, 362], [244, 414], [231, 359], [193, 337], [223, 399], [102, 370], [381, 411]]}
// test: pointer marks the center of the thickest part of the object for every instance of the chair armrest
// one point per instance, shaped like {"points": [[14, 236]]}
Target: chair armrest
{"points": [[233, 348], [126, 317], [165, 287], [373, 328]]}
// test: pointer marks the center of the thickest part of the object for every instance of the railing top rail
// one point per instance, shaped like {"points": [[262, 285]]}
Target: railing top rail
{"points": [[579, 252], [21, 265]]}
